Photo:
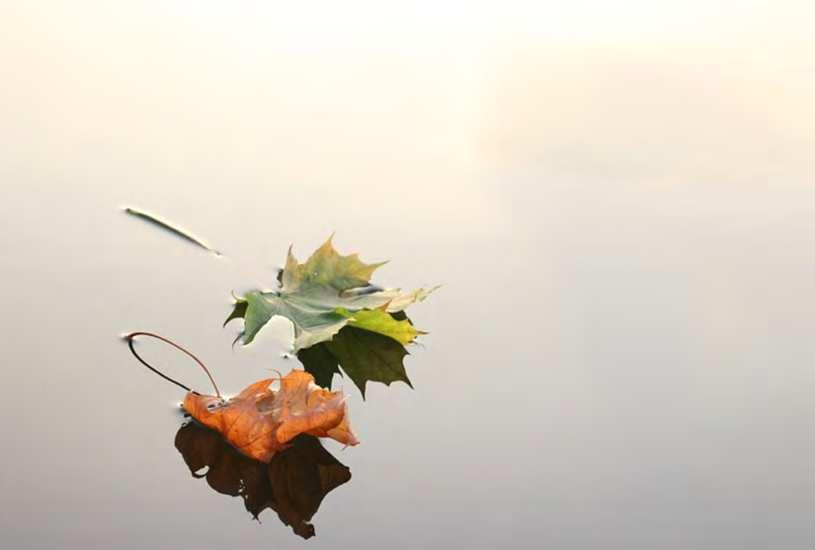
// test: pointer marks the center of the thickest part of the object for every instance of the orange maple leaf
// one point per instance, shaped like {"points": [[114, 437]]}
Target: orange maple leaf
{"points": [[260, 421]]}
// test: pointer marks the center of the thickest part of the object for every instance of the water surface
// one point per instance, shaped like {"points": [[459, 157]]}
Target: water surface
{"points": [[621, 354]]}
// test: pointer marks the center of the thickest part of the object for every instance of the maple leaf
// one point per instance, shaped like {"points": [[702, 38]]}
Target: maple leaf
{"points": [[260, 421], [293, 483], [364, 356], [322, 295]]}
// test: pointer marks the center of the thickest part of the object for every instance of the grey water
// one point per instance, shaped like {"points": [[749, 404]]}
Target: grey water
{"points": [[621, 354]]}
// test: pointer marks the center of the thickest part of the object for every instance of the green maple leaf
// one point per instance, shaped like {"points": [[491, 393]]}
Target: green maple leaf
{"points": [[324, 294], [364, 356]]}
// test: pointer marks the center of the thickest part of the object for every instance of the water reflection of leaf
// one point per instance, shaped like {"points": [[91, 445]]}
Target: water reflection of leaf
{"points": [[293, 484]]}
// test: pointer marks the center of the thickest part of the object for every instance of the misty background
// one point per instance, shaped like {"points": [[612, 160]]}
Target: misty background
{"points": [[618, 198]]}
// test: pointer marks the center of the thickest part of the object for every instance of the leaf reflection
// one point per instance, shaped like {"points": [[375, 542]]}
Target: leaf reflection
{"points": [[293, 484]]}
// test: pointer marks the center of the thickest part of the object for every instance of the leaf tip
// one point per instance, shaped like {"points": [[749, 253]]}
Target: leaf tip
{"points": [[237, 339]]}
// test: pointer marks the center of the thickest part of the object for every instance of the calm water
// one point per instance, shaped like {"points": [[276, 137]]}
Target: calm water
{"points": [[621, 355]]}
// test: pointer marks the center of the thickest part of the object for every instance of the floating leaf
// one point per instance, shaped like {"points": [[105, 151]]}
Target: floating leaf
{"points": [[320, 362], [326, 268], [322, 295], [382, 322], [293, 483], [364, 356], [260, 421]]}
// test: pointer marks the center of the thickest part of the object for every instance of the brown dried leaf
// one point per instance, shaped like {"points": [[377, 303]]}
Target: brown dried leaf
{"points": [[260, 421]]}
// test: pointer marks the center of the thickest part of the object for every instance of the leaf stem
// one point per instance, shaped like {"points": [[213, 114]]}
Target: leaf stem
{"points": [[132, 335]]}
